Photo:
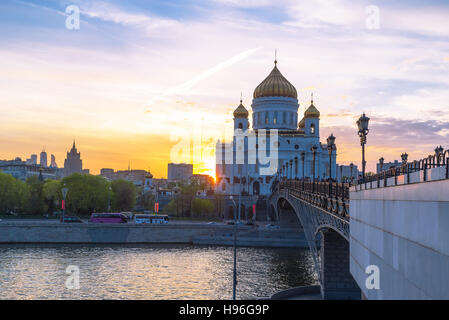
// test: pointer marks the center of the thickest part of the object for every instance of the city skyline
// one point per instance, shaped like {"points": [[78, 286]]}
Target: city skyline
{"points": [[136, 78]]}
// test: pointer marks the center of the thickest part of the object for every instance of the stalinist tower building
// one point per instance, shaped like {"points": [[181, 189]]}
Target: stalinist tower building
{"points": [[73, 163]]}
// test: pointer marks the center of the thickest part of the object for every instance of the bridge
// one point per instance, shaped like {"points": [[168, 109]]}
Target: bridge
{"points": [[386, 237]]}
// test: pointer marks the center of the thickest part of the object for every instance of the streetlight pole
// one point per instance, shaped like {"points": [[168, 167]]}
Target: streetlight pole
{"points": [[234, 281], [351, 166], [314, 148], [362, 124], [64, 196], [109, 198], [303, 156], [330, 146], [404, 158]]}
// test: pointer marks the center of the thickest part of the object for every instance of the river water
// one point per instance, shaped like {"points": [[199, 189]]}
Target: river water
{"points": [[149, 271]]}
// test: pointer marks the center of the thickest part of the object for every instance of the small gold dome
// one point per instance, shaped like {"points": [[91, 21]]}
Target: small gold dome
{"points": [[275, 85], [302, 123], [311, 112], [240, 111]]}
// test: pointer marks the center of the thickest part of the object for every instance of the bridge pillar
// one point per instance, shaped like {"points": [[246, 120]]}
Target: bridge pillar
{"points": [[337, 282]]}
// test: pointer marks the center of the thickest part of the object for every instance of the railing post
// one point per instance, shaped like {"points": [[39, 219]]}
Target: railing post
{"points": [[425, 171], [447, 168]]}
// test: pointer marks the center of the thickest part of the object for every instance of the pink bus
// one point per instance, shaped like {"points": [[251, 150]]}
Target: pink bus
{"points": [[108, 218]]}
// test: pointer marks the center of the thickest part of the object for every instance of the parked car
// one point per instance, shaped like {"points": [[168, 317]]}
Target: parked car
{"points": [[272, 226], [71, 219], [249, 223]]}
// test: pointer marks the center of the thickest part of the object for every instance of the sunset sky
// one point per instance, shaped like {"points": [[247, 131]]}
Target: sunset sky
{"points": [[140, 76]]}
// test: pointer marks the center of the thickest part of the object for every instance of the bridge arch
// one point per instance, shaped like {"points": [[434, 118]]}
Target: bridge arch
{"points": [[328, 237]]}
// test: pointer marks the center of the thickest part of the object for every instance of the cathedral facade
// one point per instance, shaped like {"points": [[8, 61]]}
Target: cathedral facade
{"points": [[293, 148]]}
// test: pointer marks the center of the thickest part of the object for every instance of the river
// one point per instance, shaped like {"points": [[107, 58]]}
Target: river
{"points": [[150, 271]]}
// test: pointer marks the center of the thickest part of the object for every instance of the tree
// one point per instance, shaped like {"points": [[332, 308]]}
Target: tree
{"points": [[14, 194], [52, 195], [86, 193], [202, 207], [170, 207], [123, 195], [36, 204]]}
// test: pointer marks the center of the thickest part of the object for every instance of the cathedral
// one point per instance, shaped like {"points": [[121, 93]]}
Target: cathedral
{"points": [[294, 148]]}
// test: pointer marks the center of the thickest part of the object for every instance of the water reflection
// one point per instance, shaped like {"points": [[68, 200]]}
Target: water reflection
{"points": [[150, 271]]}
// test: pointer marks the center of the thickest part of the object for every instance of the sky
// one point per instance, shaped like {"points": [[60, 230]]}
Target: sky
{"points": [[139, 78]]}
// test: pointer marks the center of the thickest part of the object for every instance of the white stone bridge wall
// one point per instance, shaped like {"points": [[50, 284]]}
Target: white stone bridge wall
{"points": [[403, 229]]}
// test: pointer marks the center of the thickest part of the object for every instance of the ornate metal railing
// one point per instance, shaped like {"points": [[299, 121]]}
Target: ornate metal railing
{"points": [[329, 196], [439, 159]]}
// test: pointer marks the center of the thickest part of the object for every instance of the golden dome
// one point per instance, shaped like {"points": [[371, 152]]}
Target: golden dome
{"points": [[275, 85], [240, 111], [302, 123], [311, 112]]}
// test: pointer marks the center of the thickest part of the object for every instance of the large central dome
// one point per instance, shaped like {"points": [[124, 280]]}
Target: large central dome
{"points": [[275, 85]]}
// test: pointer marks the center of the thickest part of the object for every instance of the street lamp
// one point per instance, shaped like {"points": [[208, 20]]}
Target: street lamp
{"points": [[330, 146], [351, 166], [362, 125], [64, 196], [381, 162], [109, 198], [296, 167], [314, 149], [234, 282], [404, 158], [303, 156]]}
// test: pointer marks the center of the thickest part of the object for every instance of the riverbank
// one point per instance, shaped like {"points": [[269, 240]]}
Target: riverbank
{"points": [[199, 233]]}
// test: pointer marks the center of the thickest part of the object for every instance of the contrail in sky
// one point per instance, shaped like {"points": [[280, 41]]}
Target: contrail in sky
{"points": [[185, 87]]}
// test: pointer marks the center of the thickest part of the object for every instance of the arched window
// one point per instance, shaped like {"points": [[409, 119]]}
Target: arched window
{"points": [[275, 120], [266, 117], [241, 125], [285, 117], [312, 129]]}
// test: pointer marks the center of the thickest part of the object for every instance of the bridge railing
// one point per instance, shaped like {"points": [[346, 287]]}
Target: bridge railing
{"points": [[440, 159], [332, 197], [330, 189]]}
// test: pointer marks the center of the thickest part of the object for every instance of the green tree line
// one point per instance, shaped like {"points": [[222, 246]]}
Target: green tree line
{"points": [[86, 194]]}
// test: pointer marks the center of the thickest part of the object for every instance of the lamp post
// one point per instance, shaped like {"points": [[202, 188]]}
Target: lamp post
{"points": [[404, 158], [64, 196], [296, 167], [109, 198], [351, 167], [330, 146], [234, 281], [303, 156], [314, 148], [362, 125], [438, 151], [291, 170]]}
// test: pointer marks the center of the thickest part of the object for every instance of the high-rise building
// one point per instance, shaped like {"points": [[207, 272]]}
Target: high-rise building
{"points": [[73, 162], [53, 162], [32, 160], [43, 159], [180, 171]]}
